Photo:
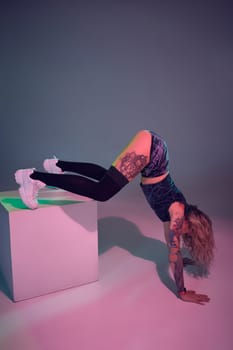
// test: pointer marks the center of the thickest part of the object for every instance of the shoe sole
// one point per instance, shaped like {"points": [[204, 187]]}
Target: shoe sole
{"points": [[19, 178]]}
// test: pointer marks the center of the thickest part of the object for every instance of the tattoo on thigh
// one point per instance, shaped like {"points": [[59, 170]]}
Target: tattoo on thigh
{"points": [[131, 164]]}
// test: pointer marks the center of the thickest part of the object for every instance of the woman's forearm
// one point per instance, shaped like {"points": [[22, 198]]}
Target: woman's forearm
{"points": [[176, 264], [176, 261]]}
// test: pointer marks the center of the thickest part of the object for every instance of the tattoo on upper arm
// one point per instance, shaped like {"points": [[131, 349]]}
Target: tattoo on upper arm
{"points": [[177, 223], [173, 241], [131, 164]]}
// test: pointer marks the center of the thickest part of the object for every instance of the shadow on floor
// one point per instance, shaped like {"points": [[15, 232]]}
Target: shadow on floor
{"points": [[119, 232], [4, 288]]}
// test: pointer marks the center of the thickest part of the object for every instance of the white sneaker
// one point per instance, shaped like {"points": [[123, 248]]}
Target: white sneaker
{"points": [[50, 165], [29, 188]]}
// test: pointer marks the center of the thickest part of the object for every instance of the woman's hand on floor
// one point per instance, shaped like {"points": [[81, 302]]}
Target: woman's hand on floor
{"points": [[193, 297]]}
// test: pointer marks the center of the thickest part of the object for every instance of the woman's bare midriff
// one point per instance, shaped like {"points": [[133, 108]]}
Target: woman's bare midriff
{"points": [[153, 180]]}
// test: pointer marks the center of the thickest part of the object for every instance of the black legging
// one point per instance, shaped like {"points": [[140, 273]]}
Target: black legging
{"points": [[105, 185]]}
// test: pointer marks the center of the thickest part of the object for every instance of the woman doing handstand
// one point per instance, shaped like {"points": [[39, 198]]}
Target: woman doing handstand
{"points": [[147, 154]]}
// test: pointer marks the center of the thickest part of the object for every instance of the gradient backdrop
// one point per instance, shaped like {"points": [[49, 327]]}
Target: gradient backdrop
{"points": [[78, 79]]}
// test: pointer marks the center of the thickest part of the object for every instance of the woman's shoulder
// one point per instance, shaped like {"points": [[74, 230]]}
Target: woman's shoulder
{"points": [[176, 208]]}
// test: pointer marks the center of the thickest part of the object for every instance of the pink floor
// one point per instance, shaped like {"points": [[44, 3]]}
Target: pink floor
{"points": [[132, 306]]}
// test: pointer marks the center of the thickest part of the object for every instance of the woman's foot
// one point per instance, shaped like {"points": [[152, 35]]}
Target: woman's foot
{"points": [[50, 165], [29, 188]]}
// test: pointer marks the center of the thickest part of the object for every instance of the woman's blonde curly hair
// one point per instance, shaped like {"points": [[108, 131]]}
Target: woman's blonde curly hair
{"points": [[199, 240]]}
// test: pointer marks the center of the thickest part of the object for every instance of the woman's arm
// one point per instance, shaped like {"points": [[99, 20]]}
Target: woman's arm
{"points": [[176, 212], [176, 261]]}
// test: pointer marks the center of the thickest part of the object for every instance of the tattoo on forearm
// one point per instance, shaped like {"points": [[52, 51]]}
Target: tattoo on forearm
{"points": [[178, 273], [176, 262], [131, 164]]}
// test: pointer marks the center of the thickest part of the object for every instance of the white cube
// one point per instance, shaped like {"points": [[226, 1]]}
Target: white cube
{"points": [[48, 249]]}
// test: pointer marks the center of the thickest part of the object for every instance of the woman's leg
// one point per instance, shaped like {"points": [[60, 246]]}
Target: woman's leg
{"points": [[112, 182], [127, 165], [91, 170], [129, 162]]}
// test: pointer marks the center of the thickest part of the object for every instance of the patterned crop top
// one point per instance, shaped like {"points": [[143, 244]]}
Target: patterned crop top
{"points": [[159, 158], [161, 195]]}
